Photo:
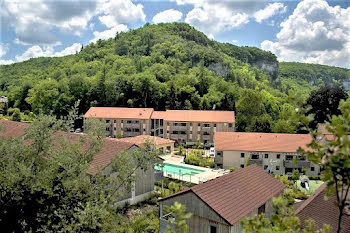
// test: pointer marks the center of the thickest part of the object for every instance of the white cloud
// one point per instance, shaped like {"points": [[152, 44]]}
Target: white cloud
{"points": [[3, 49], [35, 51], [6, 62], [315, 32], [108, 33], [213, 19], [35, 21], [269, 11], [47, 51], [117, 12], [167, 16], [74, 48]]}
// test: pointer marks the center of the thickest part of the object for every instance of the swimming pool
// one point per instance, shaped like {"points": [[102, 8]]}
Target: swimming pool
{"points": [[179, 170]]}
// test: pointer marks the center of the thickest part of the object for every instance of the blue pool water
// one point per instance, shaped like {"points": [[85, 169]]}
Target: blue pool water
{"points": [[179, 170]]}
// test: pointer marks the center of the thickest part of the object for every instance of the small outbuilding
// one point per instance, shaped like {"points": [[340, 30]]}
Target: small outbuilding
{"points": [[219, 205]]}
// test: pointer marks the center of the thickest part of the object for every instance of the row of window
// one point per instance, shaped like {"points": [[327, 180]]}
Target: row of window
{"points": [[266, 156], [278, 168], [126, 121]]}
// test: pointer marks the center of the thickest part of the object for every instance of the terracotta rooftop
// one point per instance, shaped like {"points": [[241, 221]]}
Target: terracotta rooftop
{"points": [[269, 142], [235, 195], [168, 115], [119, 113], [322, 211], [158, 115], [108, 152], [200, 116], [141, 139]]}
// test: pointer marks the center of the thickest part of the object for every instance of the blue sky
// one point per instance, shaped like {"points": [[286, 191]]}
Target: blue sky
{"points": [[314, 31]]}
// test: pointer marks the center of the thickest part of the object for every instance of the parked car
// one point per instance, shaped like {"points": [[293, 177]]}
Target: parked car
{"points": [[212, 152]]}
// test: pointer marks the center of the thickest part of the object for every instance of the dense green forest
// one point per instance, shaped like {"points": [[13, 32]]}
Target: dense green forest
{"points": [[168, 66]]}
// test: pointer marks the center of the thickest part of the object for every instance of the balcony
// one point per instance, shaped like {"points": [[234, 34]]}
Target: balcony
{"points": [[258, 162], [296, 164], [206, 137], [131, 125], [179, 128], [131, 134]]}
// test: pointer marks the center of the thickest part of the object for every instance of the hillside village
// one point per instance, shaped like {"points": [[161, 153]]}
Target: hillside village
{"points": [[178, 116]]}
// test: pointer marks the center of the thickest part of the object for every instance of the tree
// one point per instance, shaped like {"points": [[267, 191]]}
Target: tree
{"points": [[324, 103], [180, 216], [332, 154], [44, 184], [16, 115], [284, 220]]}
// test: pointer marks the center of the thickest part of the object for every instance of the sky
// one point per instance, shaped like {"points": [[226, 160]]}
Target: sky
{"points": [[311, 31]]}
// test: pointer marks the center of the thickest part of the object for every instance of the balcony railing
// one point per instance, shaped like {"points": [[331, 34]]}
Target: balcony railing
{"points": [[179, 128], [131, 126], [296, 164]]}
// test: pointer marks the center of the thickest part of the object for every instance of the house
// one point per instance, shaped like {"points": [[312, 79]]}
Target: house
{"points": [[322, 211], [274, 151], [182, 126], [164, 145], [219, 205], [142, 188]]}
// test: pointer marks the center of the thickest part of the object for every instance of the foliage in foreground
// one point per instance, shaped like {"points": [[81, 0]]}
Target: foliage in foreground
{"points": [[332, 153], [284, 221], [44, 186]]}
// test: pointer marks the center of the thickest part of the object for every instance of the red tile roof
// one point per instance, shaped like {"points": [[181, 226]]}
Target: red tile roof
{"points": [[102, 159], [200, 116], [158, 115], [269, 142], [235, 195], [141, 139], [322, 211], [119, 113]]}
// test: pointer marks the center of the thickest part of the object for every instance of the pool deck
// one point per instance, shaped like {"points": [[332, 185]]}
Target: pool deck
{"points": [[207, 174]]}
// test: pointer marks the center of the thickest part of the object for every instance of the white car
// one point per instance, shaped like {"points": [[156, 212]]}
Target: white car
{"points": [[212, 152]]}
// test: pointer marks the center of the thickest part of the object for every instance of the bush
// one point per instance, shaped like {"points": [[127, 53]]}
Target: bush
{"points": [[195, 157]]}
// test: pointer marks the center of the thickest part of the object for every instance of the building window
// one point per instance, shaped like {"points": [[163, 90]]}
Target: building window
{"points": [[242, 155], [107, 121], [266, 156], [312, 169], [261, 209], [277, 168], [212, 229], [255, 156], [242, 165], [206, 125], [278, 156], [214, 125], [230, 125], [190, 124], [115, 129], [265, 167], [219, 153], [289, 157], [144, 130]]}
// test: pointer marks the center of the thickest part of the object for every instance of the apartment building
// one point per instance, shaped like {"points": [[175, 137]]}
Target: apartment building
{"points": [[181, 126], [273, 151], [187, 126], [123, 122]]}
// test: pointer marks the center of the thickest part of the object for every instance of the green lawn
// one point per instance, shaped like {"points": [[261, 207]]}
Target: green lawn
{"points": [[314, 184]]}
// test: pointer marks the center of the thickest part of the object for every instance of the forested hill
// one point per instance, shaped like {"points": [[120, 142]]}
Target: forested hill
{"points": [[313, 73], [165, 66]]}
